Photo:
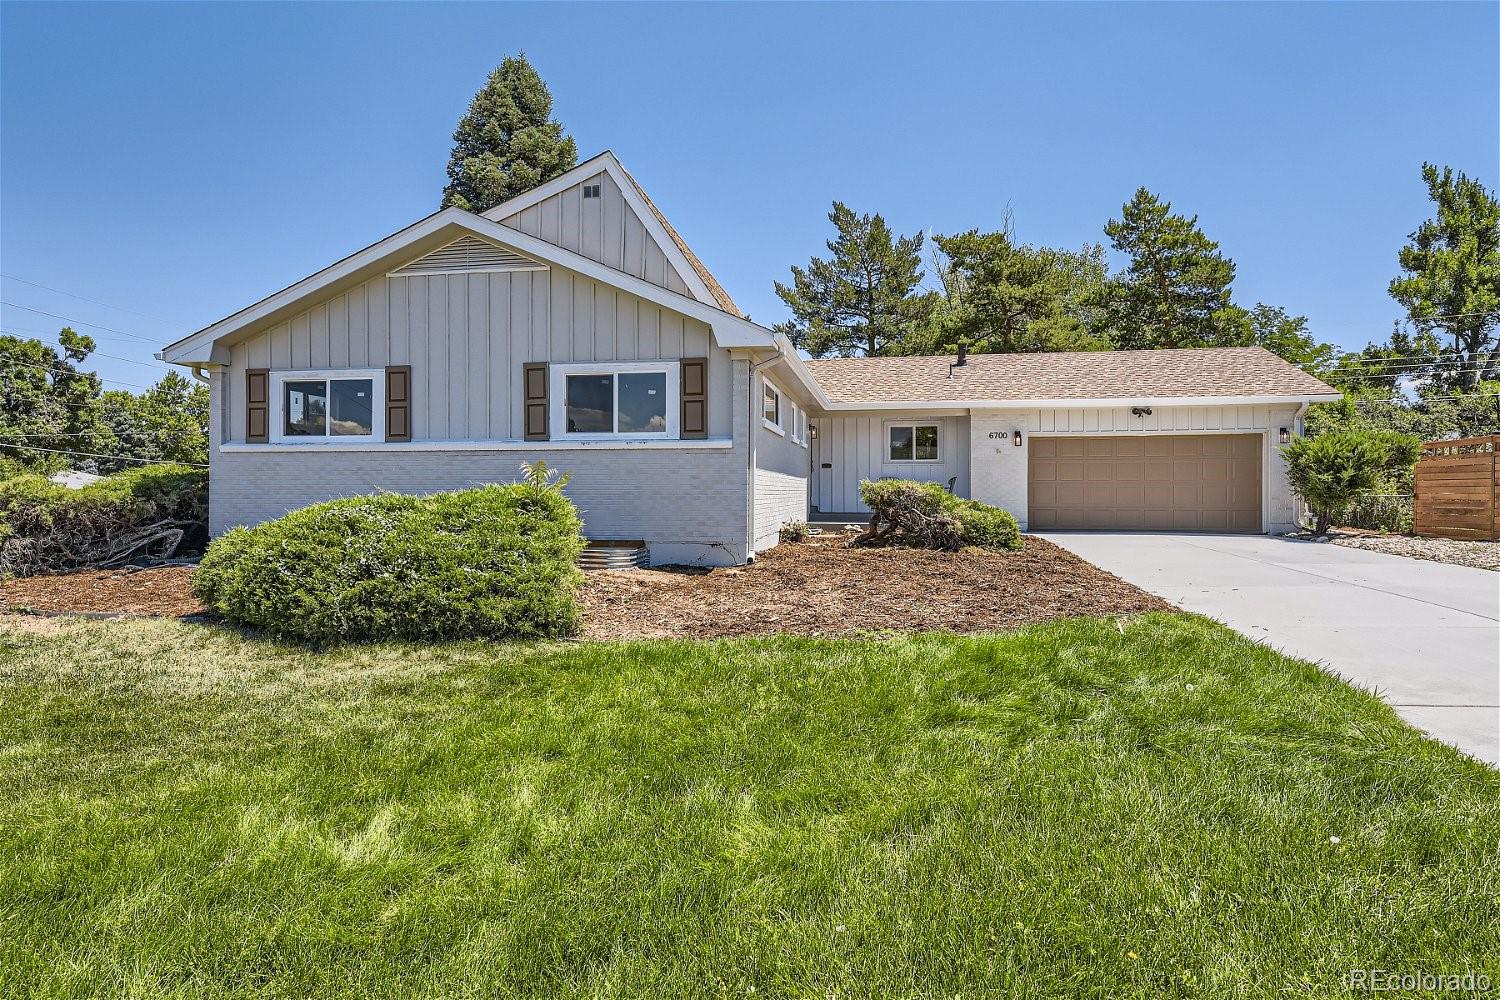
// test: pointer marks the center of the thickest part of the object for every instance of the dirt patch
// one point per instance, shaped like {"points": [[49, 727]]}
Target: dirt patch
{"points": [[161, 590], [821, 588], [816, 588]]}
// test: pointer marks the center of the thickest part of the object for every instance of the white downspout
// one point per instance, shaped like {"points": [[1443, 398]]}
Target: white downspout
{"points": [[754, 434]]}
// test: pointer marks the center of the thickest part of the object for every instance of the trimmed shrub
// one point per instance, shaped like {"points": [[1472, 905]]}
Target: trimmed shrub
{"points": [[907, 512], [1331, 471], [498, 562], [139, 515]]}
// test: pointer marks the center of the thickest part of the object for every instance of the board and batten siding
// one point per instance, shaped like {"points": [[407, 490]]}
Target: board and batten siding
{"points": [[467, 336], [999, 468], [854, 445], [605, 229]]}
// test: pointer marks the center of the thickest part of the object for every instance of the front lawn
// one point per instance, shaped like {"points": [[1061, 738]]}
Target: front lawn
{"points": [[1084, 808]]}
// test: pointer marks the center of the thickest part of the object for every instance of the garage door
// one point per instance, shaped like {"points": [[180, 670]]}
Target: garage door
{"points": [[1206, 482]]}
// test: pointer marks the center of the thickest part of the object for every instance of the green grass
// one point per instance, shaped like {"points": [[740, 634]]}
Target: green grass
{"points": [[1081, 809]]}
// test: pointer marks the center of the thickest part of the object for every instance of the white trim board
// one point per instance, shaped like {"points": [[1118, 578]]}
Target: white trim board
{"points": [[1084, 404], [694, 444]]}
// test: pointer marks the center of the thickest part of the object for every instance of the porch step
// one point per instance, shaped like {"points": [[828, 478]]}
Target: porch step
{"points": [[608, 554]]}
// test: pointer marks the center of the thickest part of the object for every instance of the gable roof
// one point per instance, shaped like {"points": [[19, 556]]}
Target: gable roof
{"points": [[1231, 374], [714, 288], [704, 285], [437, 230]]}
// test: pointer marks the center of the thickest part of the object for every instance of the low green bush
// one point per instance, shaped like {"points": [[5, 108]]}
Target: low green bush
{"points": [[152, 512], [925, 515], [496, 562], [1331, 471]]}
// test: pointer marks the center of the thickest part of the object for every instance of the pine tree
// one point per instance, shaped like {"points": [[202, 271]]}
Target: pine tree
{"points": [[1004, 296], [47, 403], [865, 299], [1175, 291], [1451, 284], [507, 142]]}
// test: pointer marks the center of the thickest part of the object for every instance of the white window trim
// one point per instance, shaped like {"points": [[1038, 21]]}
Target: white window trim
{"points": [[935, 424], [772, 425], [277, 406], [557, 389]]}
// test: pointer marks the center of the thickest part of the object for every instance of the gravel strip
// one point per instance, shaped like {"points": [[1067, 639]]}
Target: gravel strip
{"points": [[1480, 555]]}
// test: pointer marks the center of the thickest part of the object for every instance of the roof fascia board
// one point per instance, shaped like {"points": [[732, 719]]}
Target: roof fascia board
{"points": [[729, 330], [1099, 402], [606, 163]]}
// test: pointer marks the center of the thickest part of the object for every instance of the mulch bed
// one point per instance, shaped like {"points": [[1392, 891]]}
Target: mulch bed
{"points": [[821, 588], [814, 588], [161, 590]]}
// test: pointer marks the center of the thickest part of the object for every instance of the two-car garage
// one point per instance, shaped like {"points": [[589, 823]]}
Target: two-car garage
{"points": [[1190, 482]]}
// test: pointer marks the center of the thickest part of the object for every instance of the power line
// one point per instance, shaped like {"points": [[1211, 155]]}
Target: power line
{"points": [[8, 359], [112, 357], [1381, 371], [89, 454], [84, 298], [69, 319]]}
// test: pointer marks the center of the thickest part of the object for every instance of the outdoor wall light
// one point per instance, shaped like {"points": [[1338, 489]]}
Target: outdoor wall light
{"points": [[1015, 439], [812, 429], [1285, 435]]}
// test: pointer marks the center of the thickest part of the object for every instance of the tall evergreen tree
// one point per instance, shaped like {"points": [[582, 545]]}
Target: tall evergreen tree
{"points": [[507, 142], [866, 298], [1005, 297], [1175, 292], [1451, 281]]}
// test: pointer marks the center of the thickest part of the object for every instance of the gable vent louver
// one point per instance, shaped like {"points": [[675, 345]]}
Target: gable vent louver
{"points": [[467, 255]]}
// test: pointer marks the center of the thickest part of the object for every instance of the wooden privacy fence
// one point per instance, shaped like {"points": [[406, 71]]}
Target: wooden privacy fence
{"points": [[1456, 488]]}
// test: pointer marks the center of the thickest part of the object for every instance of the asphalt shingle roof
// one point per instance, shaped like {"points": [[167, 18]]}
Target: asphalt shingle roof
{"points": [[1213, 371]]}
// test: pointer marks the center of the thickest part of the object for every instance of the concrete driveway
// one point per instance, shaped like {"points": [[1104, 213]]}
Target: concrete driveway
{"points": [[1425, 635]]}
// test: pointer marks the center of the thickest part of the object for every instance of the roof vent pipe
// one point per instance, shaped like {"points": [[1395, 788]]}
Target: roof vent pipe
{"points": [[963, 357]]}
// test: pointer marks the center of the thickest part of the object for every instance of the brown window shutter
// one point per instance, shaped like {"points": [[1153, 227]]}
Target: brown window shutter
{"points": [[398, 403], [257, 405], [694, 398], [536, 421]]}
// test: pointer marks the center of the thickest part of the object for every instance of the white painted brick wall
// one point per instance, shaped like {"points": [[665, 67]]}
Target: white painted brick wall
{"points": [[687, 505]]}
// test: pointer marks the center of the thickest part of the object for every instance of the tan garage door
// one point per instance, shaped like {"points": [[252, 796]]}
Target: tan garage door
{"points": [[1206, 482]]}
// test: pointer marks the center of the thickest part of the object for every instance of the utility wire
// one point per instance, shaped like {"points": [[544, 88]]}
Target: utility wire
{"points": [[89, 454], [7, 359], [69, 319], [84, 298], [114, 357]]}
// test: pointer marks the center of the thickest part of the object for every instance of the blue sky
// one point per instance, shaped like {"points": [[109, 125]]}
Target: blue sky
{"points": [[175, 163]]}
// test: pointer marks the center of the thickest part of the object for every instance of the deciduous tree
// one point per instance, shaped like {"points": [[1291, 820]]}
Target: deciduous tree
{"points": [[47, 403]]}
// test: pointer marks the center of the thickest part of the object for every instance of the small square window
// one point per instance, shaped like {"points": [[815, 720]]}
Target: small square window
{"points": [[591, 190], [913, 443]]}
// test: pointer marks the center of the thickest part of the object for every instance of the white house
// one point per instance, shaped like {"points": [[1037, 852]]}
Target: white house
{"points": [[574, 324]]}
